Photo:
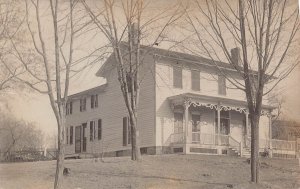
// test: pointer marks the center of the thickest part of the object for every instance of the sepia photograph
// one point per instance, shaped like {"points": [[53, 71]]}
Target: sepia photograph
{"points": [[149, 94]]}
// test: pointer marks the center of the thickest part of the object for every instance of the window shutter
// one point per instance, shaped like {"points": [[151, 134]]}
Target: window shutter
{"points": [[71, 135], [92, 101], [99, 129], [221, 85], [177, 77], [71, 107], [91, 130], [195, 80], [125, 127]]}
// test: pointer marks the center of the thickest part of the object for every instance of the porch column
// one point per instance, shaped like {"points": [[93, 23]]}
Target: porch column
{"points": [[186, 121], [247, 128], [270, 135], [219, 124]]}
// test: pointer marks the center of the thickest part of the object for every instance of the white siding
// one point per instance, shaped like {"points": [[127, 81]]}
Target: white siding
{"points": [[112, 110]]}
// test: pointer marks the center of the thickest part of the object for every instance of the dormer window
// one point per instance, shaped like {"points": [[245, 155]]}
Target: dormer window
{"points": [[69, 108], [82, 104], [94, 101], [177, 77]]}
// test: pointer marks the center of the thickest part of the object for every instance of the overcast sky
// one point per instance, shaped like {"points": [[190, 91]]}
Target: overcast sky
{"points": [[35, 107]]}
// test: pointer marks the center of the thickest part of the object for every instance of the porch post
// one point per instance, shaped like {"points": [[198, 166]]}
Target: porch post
{"points": [[270, 135], [186, 121], [247, 128], [219, 124]]}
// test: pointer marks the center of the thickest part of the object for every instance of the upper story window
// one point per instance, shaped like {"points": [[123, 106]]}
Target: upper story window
{"points": [[221, 85], [195, 78], [69, 108], [94, 101], [83, 104], [177, 77]]}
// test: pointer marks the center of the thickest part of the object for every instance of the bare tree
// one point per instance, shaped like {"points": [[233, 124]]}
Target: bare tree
{"points": [[265, 31], [127, 26], [46, 55], [10, 23], [18, 135]]}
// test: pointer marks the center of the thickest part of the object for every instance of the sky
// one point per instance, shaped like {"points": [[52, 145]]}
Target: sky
{"points": [[34, 107]]}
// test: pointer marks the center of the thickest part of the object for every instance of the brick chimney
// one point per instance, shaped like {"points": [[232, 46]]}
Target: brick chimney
{"points": [[235, 56]]}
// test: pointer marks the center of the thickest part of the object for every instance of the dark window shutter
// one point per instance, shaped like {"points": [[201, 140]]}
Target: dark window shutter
{"points": [[71, 135], [129, 132], [195, 80], [91, 130], [71, 107], [221, 85], [177, 77], [99, 129], [92, 101], [125, 127]]}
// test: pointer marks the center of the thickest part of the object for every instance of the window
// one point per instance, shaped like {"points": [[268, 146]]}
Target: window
{"points": [[195, 80], [94, 101], [92, 130], [224, 122], [221, 85], [71, 135], [82, 104], [99, 129], [69, 108], [178, 122], [126, 131], [196, 127], [177, 77]]}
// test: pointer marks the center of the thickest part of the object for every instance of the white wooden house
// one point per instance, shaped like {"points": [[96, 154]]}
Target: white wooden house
{"points": [[186, 106]]}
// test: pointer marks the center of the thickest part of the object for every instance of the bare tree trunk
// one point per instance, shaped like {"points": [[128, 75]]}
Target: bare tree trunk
{"points": [[135, 143], [254, 148], [60, 154]]}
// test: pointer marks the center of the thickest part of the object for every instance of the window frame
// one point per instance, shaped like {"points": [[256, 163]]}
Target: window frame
{"points": [[94, 101], [82, 104], [69, 108], [175, 74]]}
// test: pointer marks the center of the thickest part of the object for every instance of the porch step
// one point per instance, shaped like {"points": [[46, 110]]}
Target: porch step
{"points": [[233, 151], [246, 152]]}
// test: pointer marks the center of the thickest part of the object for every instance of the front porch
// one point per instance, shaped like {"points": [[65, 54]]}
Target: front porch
{"points": [[213, 125]]}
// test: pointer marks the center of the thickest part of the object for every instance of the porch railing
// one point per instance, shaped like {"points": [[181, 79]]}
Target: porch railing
{"points": [[283, 145], [177, 138], [276, 144], [210, 139]]}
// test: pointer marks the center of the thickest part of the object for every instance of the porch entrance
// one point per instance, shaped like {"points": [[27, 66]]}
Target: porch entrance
{"points": [[224, 122], [77, 139], [80, 138]]}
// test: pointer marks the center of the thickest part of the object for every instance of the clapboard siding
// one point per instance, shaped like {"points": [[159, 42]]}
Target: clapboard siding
{"points": [[208, 86], [112, 109]]}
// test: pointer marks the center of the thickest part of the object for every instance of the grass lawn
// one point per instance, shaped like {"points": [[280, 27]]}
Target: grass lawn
{"points": [[166, 171]]}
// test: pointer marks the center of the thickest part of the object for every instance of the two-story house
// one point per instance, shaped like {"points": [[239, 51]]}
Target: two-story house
{"points": [[186, 106]]}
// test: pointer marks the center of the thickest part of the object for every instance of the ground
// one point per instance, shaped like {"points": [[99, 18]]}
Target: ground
{"points": [[166, 171]]}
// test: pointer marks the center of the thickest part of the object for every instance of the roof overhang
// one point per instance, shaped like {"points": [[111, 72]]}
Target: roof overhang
{"points": [[213, 102]]}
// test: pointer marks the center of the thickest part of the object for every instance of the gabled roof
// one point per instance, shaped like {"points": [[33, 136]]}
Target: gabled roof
{"points": [[171, 55], [91, 91]]}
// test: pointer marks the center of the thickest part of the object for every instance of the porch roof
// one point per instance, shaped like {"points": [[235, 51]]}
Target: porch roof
{"points": [[213, 100]]}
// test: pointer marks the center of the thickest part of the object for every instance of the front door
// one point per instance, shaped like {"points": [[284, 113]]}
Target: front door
{"points": [[77, 139]]}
